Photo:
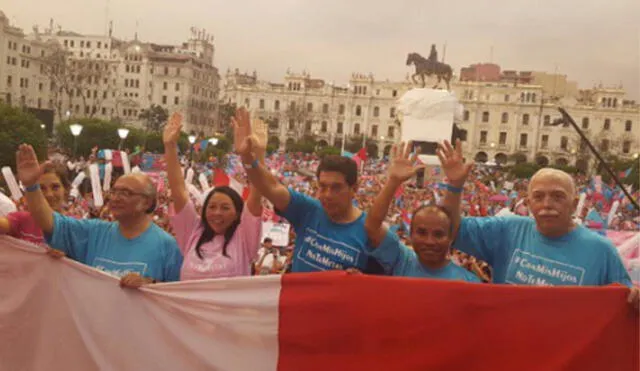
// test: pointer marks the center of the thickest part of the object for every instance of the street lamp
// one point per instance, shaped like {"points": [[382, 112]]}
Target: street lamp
{"points": [[213, 141], [192, 140], [122, 133], [635, 155], [382, 137], [493, 145], [76, 129], [68, 114]]}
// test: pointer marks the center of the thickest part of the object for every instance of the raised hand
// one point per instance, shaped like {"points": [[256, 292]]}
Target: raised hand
{"points": [[172, 130], [452, 163], [241, 128], [29, 170], [401, 167], [259, 128]]}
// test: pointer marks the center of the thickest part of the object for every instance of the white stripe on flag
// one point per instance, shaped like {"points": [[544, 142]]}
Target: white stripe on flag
{"points": [[90, 323]]}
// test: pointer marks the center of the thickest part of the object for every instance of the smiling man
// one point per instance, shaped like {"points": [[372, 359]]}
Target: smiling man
{"points": [[546, 250], [132, 248]]}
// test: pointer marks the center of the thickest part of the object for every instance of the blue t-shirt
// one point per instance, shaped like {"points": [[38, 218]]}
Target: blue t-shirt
{"points": [[397, 258], [520, 255], [100, 244], [320, 243]]}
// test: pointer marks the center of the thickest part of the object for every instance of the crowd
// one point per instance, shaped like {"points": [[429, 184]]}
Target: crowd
{"points": [[382, 218]]}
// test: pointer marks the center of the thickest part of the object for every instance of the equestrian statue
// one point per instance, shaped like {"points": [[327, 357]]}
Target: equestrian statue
{"points": [[430, 66]]}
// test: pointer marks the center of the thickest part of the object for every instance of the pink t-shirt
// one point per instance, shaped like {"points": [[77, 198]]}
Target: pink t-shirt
{"points": [[25, 228], [242, 249]]}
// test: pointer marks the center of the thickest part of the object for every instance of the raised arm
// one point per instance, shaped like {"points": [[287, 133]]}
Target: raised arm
{"points": [[456, 171], [179, 194], [400, 170], [254, 202], [29, 173], [247, 146]]}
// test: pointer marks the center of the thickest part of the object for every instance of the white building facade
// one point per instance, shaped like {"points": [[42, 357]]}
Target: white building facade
{"points": [[100, 76], [503, 122]]}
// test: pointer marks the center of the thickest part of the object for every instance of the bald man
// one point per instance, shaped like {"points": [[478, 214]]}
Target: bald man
{"points": [[132, 248], [548, 249]]}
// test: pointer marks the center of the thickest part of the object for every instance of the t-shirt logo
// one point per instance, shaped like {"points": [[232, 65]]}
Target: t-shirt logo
{"points": [[120, 269], [324, 253], [526, 268]]}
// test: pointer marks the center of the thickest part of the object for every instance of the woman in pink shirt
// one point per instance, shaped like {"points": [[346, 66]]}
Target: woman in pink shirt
{"points": [[54, 183], [224, 239]]}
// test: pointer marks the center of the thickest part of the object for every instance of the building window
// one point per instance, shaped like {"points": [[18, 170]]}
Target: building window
{"points": [[546, 120], [607, 124], [505, 118], [276, 105], [465, 115], [523, 139], [503, 138], [485, 116], [307, 126], [309, 107], [164, 99], [506, 97], [176, 100], [626, 146], [394, 93], [323, 127], [604, 145], [374, 131], [390, 131], [358, 111], [392, 112], [483, 137], [376, 111], [585, 123], [82, 44], [164, 85], [261, 103], [628, 125], [166, 71], [9, 80], [525, 119], [177, 71], [533, 98], [339, 128], [545, 141], [564, 142], [325, 108], [356, 129], [292, 124]]}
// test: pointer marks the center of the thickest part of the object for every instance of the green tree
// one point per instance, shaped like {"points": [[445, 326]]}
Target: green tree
{"points": [[329, 151], [226, 112], [154, 118], [16, 127]]}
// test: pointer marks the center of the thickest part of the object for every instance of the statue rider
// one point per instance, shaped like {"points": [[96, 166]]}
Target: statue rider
{"points": [[433, 54]]}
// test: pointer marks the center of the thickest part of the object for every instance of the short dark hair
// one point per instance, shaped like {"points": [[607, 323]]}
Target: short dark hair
{"points": [[339, 164], [434, 208], [267, 239]]}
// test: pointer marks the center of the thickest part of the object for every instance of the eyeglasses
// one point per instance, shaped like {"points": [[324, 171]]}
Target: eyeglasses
{"points": [[123, 192]]}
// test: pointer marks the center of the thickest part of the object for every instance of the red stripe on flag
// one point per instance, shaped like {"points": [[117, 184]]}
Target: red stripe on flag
{"points": [[330, 322]]}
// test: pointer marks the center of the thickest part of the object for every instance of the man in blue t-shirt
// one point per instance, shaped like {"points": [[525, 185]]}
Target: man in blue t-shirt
{"points": [[329, 230], [431, 232], [133, 248], [548, 250]]}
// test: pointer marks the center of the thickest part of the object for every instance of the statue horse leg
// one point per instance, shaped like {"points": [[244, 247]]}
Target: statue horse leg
{"points": [[423, 80], [439, 80], [413, 78]]}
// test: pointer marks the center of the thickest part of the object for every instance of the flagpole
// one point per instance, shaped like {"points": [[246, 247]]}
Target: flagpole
{"points": [[567, 118]]}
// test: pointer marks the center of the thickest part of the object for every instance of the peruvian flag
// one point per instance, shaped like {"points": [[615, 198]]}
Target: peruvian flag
{"points": [[221, 178], [61, 315]]}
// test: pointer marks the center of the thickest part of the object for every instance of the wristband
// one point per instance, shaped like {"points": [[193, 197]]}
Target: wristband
{"points": [[453, 189], [32, 188], [253, 165]]}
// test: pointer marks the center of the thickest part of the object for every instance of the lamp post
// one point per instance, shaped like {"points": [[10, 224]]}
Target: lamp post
{"points": [[213, 141], [192, 140], [76, 129], [122, 133]]}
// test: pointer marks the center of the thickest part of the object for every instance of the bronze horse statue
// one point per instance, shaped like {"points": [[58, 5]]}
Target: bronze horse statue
{"points": [[425, 67]]}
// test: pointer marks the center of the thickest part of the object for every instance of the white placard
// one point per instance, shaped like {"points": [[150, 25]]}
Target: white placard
{"points": [[98, 201], [10, 179], [108, 171], [204, 183], [278, 232], [126, 165]]}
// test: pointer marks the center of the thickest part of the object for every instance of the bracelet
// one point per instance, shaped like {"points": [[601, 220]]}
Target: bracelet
{"points": [[453, 189], [32, 188]]}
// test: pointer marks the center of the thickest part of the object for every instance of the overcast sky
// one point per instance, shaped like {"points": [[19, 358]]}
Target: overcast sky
{"points": [[591, 41]]}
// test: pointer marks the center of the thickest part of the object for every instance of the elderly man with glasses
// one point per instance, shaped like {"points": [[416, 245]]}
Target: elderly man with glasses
{"points": [[132, 248]]}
